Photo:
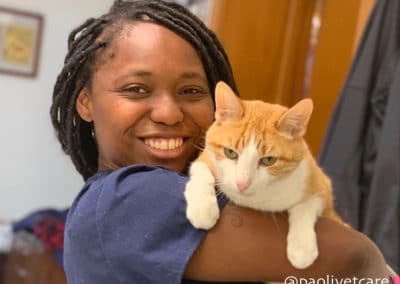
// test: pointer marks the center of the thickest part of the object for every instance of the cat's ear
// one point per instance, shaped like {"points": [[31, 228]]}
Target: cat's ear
{"points": [[295, 120], [227, 104]]}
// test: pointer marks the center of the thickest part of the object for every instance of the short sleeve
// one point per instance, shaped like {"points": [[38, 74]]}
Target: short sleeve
{"points": [[142, 225]]}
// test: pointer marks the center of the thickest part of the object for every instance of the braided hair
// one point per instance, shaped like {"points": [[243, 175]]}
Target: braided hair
{"points": [[86, 42]]}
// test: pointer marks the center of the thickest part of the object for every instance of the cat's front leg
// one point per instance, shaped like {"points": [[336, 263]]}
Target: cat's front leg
{"points": [[202, 207], [302, 248]]}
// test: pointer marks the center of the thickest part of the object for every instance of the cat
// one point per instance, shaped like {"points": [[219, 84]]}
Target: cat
{"points": [[255, 153]]}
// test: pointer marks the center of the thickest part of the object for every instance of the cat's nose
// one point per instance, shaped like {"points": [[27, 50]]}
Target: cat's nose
{"points": [[242, 183]]}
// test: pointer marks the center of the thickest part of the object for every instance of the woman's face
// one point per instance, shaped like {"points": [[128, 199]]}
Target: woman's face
{"points": [[149, 100]]}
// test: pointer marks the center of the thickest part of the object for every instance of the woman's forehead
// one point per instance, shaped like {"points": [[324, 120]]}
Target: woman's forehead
{"points": [[150, 44], [148, 51], [148, 34]]}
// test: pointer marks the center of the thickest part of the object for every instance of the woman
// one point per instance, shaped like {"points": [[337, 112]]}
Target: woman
{"points": [[130, 107]]}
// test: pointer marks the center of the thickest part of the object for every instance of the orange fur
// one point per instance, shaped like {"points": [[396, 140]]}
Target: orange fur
{"points": [[276, 134]]}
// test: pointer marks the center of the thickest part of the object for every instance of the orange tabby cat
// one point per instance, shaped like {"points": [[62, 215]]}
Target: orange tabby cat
{"points": [[256, 154]]}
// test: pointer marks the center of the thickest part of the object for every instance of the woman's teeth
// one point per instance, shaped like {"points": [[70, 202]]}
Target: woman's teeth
{"points": [[164, 143]]}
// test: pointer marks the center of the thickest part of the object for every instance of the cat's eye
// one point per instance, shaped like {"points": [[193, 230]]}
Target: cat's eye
{"points": [[268, 161], [229, 153]]}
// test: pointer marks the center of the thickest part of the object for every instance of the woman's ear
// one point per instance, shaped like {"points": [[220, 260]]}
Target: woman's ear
{"points": [[84, 105]]}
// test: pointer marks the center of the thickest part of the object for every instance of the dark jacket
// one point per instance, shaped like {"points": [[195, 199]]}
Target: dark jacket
{"points": [[361, 151]]}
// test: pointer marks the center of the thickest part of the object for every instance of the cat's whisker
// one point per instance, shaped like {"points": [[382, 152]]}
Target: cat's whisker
{"points": [[276, 223], [198, 147], [223, 197], [226, 197], [219, 193]]}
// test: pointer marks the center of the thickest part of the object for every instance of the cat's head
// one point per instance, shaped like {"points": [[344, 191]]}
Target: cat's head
{"points": [[253, 143]]}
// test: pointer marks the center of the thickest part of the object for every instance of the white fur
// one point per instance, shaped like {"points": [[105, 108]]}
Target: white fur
{"points": [[266, 192], [302, 247], [202, 207], [247, 162]]}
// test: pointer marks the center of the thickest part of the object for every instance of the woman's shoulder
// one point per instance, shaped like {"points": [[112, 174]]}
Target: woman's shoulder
{"points": [[130, 213], [141, 178], [128, 180], [129, 188]]}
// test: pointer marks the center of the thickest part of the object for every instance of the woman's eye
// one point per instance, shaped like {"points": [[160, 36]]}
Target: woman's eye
{"points": [[231, 154], [268, 161], [136, 89], [192, 91]]}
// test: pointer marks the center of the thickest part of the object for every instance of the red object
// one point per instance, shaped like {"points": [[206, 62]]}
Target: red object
{"points": [[51, 232]]}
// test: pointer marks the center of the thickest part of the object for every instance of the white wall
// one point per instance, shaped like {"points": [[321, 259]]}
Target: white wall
{"points": [[34, 173]]}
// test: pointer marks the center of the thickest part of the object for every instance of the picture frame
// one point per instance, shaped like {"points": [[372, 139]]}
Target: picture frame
{"points": [[20, 42]]}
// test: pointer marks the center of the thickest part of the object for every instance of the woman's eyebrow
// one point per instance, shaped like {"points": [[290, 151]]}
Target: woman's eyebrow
{"points": [[134, 73], [139, 73], [193, 75], [146, 73]]}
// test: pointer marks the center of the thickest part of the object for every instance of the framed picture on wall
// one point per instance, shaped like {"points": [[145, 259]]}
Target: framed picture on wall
{"points": [[20, 40]]}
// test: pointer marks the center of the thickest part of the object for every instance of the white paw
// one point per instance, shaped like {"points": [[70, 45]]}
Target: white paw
{"points": [[203, 216], [302, 249], [202, 207]]}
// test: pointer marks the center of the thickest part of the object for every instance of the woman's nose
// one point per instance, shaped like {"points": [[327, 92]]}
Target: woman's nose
{"points": [[167, 111]]}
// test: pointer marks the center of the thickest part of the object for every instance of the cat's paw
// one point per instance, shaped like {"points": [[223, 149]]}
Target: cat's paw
{"points": [[302, 248], [204, 214], [202, 210]]}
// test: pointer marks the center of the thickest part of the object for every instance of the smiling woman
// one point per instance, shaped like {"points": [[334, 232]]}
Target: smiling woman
{"points": [[149, 102], [131, 107]]}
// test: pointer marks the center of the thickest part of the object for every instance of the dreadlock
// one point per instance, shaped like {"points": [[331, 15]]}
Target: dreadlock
{"points": [[89, 39]]}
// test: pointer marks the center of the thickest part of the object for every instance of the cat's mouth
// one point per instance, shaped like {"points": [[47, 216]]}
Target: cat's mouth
{"points": [[245, 193], [239, 194]]}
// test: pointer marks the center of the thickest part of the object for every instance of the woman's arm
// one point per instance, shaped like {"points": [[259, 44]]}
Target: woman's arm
{"points": [[247, 245]]}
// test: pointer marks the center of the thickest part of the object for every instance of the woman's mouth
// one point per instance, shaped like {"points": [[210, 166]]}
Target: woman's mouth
{"points": [[165, 144]]}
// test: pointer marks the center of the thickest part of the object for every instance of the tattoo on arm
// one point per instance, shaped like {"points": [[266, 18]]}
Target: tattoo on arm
{"points": [[234, 218]]}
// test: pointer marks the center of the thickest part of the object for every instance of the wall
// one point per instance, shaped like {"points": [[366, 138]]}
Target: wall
{"points": [[34, 173]]}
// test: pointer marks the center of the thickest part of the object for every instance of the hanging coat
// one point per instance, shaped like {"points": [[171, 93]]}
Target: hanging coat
{"points": [[361, 151]]}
